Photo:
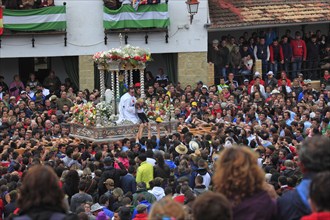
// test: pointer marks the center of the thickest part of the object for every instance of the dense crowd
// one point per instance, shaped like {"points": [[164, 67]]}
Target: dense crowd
{"points": [[244, 150], [306, 53]]}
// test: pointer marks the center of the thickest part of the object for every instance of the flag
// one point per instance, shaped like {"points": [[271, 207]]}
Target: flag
{"points": [[146, 16], [1, 23], [43, 19]]}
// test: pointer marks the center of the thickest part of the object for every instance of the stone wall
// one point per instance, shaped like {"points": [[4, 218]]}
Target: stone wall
{"points": [[86, 72], [193, 67]]}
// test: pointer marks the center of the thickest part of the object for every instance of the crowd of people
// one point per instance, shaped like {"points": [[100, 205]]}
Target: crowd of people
{"points": [[264, 153], [307, 54], [25, 4]]}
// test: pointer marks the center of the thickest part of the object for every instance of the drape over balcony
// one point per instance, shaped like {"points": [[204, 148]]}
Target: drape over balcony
{"points": [[146, 16]]}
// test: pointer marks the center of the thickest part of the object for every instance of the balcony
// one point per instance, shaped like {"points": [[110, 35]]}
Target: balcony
{"points": [[142, 19], [47, 21]]}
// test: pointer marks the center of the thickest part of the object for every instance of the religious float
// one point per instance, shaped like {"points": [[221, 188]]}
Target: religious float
{"points": [[100, 122]]}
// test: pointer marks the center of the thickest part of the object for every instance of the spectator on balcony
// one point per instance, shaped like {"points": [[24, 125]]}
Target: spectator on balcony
{"points": [[32, 82], [287, 52], [47, 3], [224, 61], [261, 52], [215, 58], [52, 82], [276, 56], [27, 4], [11, 4], [112, 4], [247, 65], [313, 57], [3, 84], [299, 54], [162, 78], [16, 86], [235, 60]]}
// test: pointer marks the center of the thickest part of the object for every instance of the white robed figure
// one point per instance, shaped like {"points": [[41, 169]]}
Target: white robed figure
{"points": [[127, 109]]}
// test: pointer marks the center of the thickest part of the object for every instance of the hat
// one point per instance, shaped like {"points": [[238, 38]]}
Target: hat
{"points": [[96, 207], [223, 105], [141, 208], [194, 104], [200, 82], [137, 84], [215, 41], [270, 73], [306, 81], [181, 149], [205, 87], [275, 91], [300, 74], [193, 145], [23, 92], [109, 182], [159, 120], [246, 80], [256, 74], [52, 98], [107, 160], [12, 97], [312, 115]]}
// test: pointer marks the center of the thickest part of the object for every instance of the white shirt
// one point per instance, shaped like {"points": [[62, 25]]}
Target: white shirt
{"points": [[127, 109], [45, 92]]}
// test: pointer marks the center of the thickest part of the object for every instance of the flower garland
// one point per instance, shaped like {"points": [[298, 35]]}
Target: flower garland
{"points": [[129, 56], [157, 111], [86, 114]]}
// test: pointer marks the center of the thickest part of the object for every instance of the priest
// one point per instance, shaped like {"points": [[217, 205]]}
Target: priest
{"points": [[127, 107]]}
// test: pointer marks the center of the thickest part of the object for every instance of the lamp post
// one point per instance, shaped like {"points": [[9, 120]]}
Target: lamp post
{"points": [[192, 6]]}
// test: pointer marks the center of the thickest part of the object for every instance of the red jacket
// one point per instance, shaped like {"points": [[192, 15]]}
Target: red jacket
{"points": [[317, 216], [299, 48], [141, 216], [271, 49]]}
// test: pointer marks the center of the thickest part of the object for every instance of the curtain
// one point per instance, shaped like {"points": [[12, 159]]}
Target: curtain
{"points": [[171, 63], [96, 77], [71, 65]]}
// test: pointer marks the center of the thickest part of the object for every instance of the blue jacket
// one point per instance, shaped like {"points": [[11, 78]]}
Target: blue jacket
{"points": [[294, 203], [128, 183]]}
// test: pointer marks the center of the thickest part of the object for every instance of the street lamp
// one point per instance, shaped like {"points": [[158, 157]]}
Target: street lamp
{"points": [[192, 6]]}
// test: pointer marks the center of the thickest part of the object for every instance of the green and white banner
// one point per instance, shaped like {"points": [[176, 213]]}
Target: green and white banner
{"points": [[43, 19], [147, 16]]}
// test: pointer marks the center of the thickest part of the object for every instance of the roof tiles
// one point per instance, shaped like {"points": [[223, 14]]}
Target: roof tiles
{"points": [[226, 14]]}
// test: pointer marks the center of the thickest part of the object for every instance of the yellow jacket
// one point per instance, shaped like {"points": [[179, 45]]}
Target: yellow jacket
{"points": [[145, 173]]}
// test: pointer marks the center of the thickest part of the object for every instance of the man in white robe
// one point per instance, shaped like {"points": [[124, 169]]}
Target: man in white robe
{"points": [[127, 107]]}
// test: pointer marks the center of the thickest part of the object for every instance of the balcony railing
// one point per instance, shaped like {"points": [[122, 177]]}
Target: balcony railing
{"points": [[31, 22]]}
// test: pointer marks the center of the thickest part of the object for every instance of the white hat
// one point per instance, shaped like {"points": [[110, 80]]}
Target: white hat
{"points": [[215, 41], [257, 74], [96, 207], [275, 91], [205, 86], [193, 145], [312, 115], [270, 73]]}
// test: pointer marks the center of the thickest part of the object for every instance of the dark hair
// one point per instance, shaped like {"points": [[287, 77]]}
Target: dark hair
{"points": [[142, 157], [40, 188], [319, 191], [314, 154], [212, 206]]}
